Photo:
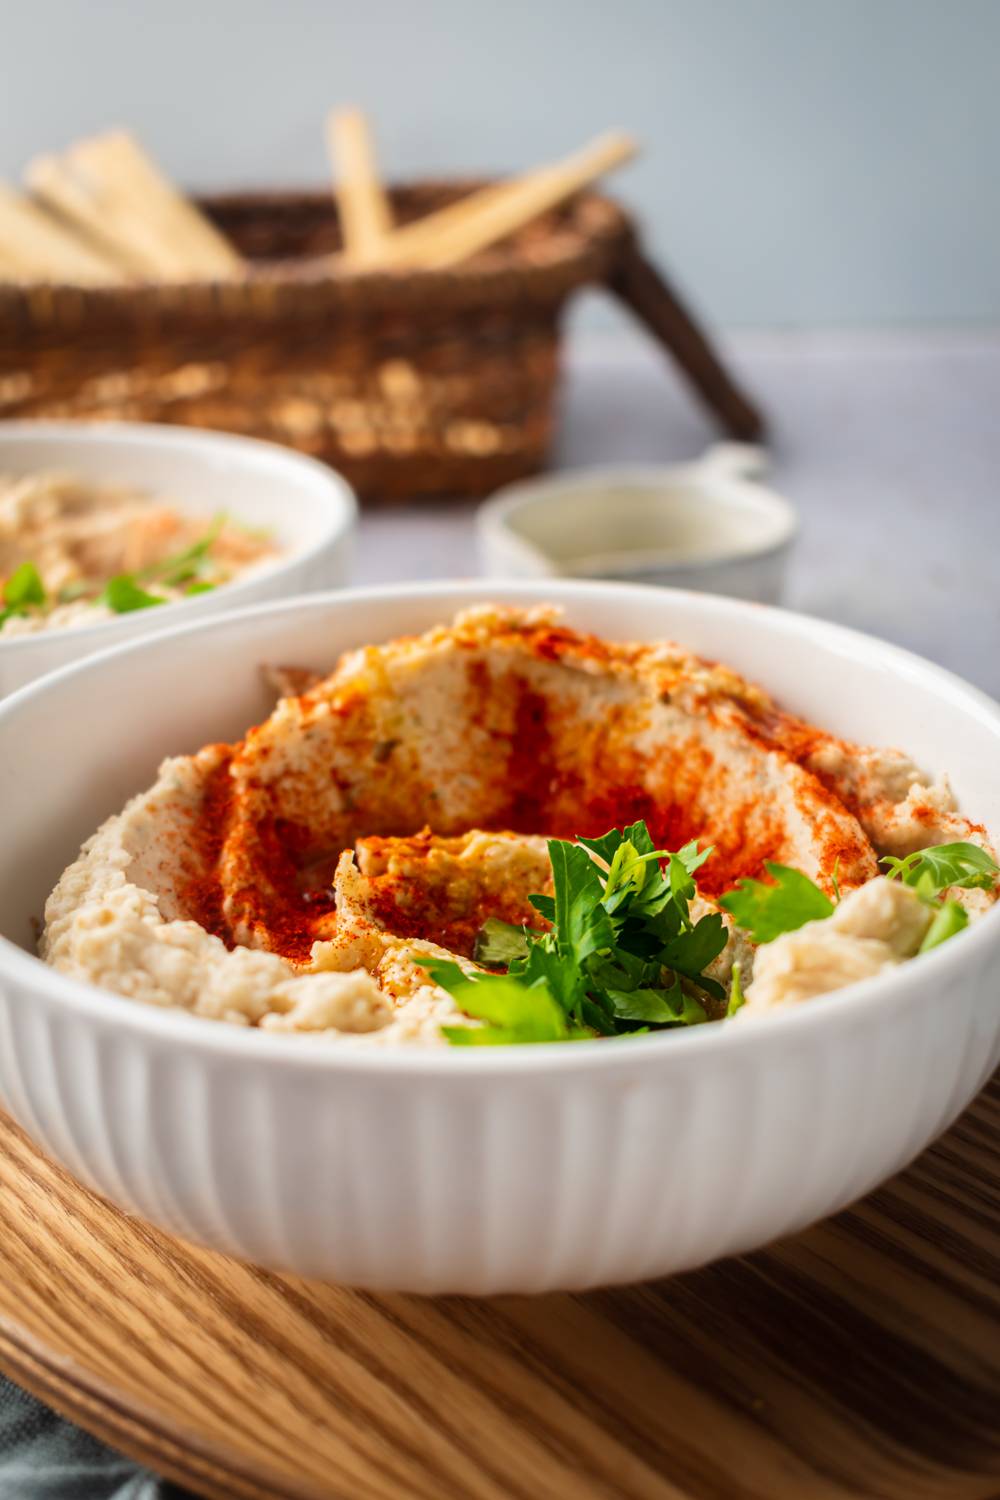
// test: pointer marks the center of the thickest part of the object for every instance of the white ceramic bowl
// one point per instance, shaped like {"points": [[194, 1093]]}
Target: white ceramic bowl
{"points": [[507, 1169], [310, 510], [709, 525]]}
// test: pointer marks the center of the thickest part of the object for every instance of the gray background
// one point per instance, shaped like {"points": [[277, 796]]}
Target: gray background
{"points": [[807, 162]]}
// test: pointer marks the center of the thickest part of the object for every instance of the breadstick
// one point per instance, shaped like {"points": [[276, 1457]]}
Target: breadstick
{"points": [[110, 187], [156, 210], [81, 207], [35, 246], [492, 213], [365, 214]]}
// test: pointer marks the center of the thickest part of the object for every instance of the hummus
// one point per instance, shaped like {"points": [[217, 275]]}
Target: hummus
{"points": [[80, 536], [872, 929], [292, 881]]}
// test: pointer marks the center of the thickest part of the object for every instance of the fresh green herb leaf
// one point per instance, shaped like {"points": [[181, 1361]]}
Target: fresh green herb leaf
{"points": [[123, 595], [545, 906], [736, 995], [663, 1007], [835, 880], [557, 970], [199, 588], [692, 951], [492, 1036], [691, 857], [607, 846], [512, 1011], [622, 970], [184, 566], [629, 874], [597, 1015], [581, 924], [949, 918], [765, 911], [942, 866], [24, 588], [499, 944]]}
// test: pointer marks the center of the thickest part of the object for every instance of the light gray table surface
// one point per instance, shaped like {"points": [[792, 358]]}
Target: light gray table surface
{"points": [[888, 444]]}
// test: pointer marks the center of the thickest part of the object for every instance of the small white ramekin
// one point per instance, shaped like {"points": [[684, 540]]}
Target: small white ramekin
{"points": [[511, 1169], [709, 525], [310, 511]]}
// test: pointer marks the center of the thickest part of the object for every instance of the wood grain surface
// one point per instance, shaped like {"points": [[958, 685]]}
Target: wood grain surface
{"points": [[860, 1359]]}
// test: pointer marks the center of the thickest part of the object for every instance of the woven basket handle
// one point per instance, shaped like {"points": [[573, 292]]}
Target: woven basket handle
{"points": [[651, 299]]}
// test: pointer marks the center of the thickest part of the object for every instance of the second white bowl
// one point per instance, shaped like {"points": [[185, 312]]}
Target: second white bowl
{"points": [[310, 511], [709, 525]]}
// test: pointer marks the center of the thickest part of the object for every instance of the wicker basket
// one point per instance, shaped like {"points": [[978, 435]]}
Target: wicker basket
{"points": [[411, 383]]}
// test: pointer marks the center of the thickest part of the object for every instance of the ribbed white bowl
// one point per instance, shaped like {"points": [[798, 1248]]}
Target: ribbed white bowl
{"points": [[515, 1169], [309, 510]]}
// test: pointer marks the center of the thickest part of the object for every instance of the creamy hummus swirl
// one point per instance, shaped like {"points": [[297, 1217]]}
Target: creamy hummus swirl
{"points": [[287, 881]]}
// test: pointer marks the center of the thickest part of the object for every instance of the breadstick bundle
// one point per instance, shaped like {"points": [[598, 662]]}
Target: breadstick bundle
{"points": [[103, 213], [456, 232], [370, 328]]}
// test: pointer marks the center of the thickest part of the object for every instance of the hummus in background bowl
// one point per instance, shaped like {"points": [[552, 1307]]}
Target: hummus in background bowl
{"points": [[446, 1168], [74, 553], [108, 529]]}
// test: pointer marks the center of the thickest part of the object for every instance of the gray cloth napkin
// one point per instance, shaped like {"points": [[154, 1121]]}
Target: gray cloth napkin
{"points": [[44, 1458]]}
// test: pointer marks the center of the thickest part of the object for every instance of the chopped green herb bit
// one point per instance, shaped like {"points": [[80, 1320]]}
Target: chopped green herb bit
{"points": [[736, 995], [24, 588], [949, 918], [123, 595], [766, 910]]}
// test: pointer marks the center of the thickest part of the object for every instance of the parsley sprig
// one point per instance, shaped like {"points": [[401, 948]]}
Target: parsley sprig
{"points": [[930, 871], [189, 565], [942, 867], [622, 955], [186, 569]]}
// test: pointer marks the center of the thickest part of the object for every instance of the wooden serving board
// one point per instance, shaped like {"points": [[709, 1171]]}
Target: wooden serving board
{"points": [[861, 1359]]}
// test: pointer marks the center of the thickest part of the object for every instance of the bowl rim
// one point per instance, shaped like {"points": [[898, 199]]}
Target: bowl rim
{"points": [[497, 516], [857, 1005], [339, 518]]}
